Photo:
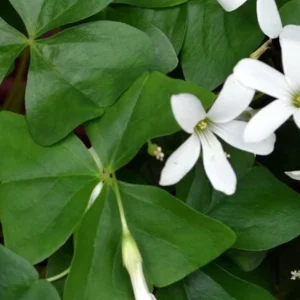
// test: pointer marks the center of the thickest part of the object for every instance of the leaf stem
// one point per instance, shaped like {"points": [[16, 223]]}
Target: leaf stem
{"points": [[59, 276], [120, 204], [14, 101], [96, 159]]}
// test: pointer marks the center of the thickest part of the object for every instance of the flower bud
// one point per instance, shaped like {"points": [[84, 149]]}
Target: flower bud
{"points": [[132, 261], [155, 151]]}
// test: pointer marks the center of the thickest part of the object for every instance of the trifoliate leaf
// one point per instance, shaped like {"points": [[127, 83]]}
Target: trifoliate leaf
{"points": [[78, 71]]}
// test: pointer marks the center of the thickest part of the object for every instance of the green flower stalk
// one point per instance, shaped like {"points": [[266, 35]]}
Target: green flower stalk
{"points": [[131, 255]]}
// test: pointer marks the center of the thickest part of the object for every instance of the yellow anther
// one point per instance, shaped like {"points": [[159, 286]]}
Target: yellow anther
{"points": [[202, 125], [298, 99]]}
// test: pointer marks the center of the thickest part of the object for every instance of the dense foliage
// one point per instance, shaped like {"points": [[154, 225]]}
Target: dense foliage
{"points": [[96, 203]]}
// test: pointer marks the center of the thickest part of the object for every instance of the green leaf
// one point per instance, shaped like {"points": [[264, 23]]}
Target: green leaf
{"points": [[196, 190], [125, 127], [78, 71], [247, 260], [239, 289], [213, 44], [19, 279], [165, 57], [12, 43], [44, 191], [171, 21], [41, 16], [97, 270], [262, 276], [42, 289], [290, 13], [196, 286], [261, 207], [152, 3], [170, 257], [213, 283]]}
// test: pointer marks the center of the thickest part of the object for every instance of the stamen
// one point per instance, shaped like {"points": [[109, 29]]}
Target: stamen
{"points": [[296, 100], [202, 125], [227, 155]]}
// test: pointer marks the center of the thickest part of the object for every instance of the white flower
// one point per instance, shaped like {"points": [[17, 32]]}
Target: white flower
{"points": [[294, 174], [202, 126], [133, 263], [267, 13], [286, 89], [295, 275]]}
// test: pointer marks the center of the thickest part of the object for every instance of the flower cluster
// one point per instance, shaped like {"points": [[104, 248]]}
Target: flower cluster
{"points": [[295, 275], [222, 120]]}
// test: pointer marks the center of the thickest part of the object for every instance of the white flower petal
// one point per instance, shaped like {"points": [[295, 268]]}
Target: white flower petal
{"points": [[290, 44], [181, 161], [230, 5], [297, 117], [187, 110], [232, 101], [140, 288], [232, 133], [259, 76], [216, 165], [267, 120], [268, 18], [294, 175]]}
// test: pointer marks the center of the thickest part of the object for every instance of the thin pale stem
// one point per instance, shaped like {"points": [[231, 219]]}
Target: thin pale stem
{"points": [[59, 276], [120, 204], [96, 159], [261, 50]]}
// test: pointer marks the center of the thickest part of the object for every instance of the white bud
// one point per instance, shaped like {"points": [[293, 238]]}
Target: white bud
{"points": [[95, 193], [132, 260]]}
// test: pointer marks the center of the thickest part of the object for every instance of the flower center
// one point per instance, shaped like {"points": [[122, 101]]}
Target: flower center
{"points": [[203, 124], [297, 100]]}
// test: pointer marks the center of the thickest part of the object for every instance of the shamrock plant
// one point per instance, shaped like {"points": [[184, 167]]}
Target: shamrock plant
{"points": [[143, 155]]}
